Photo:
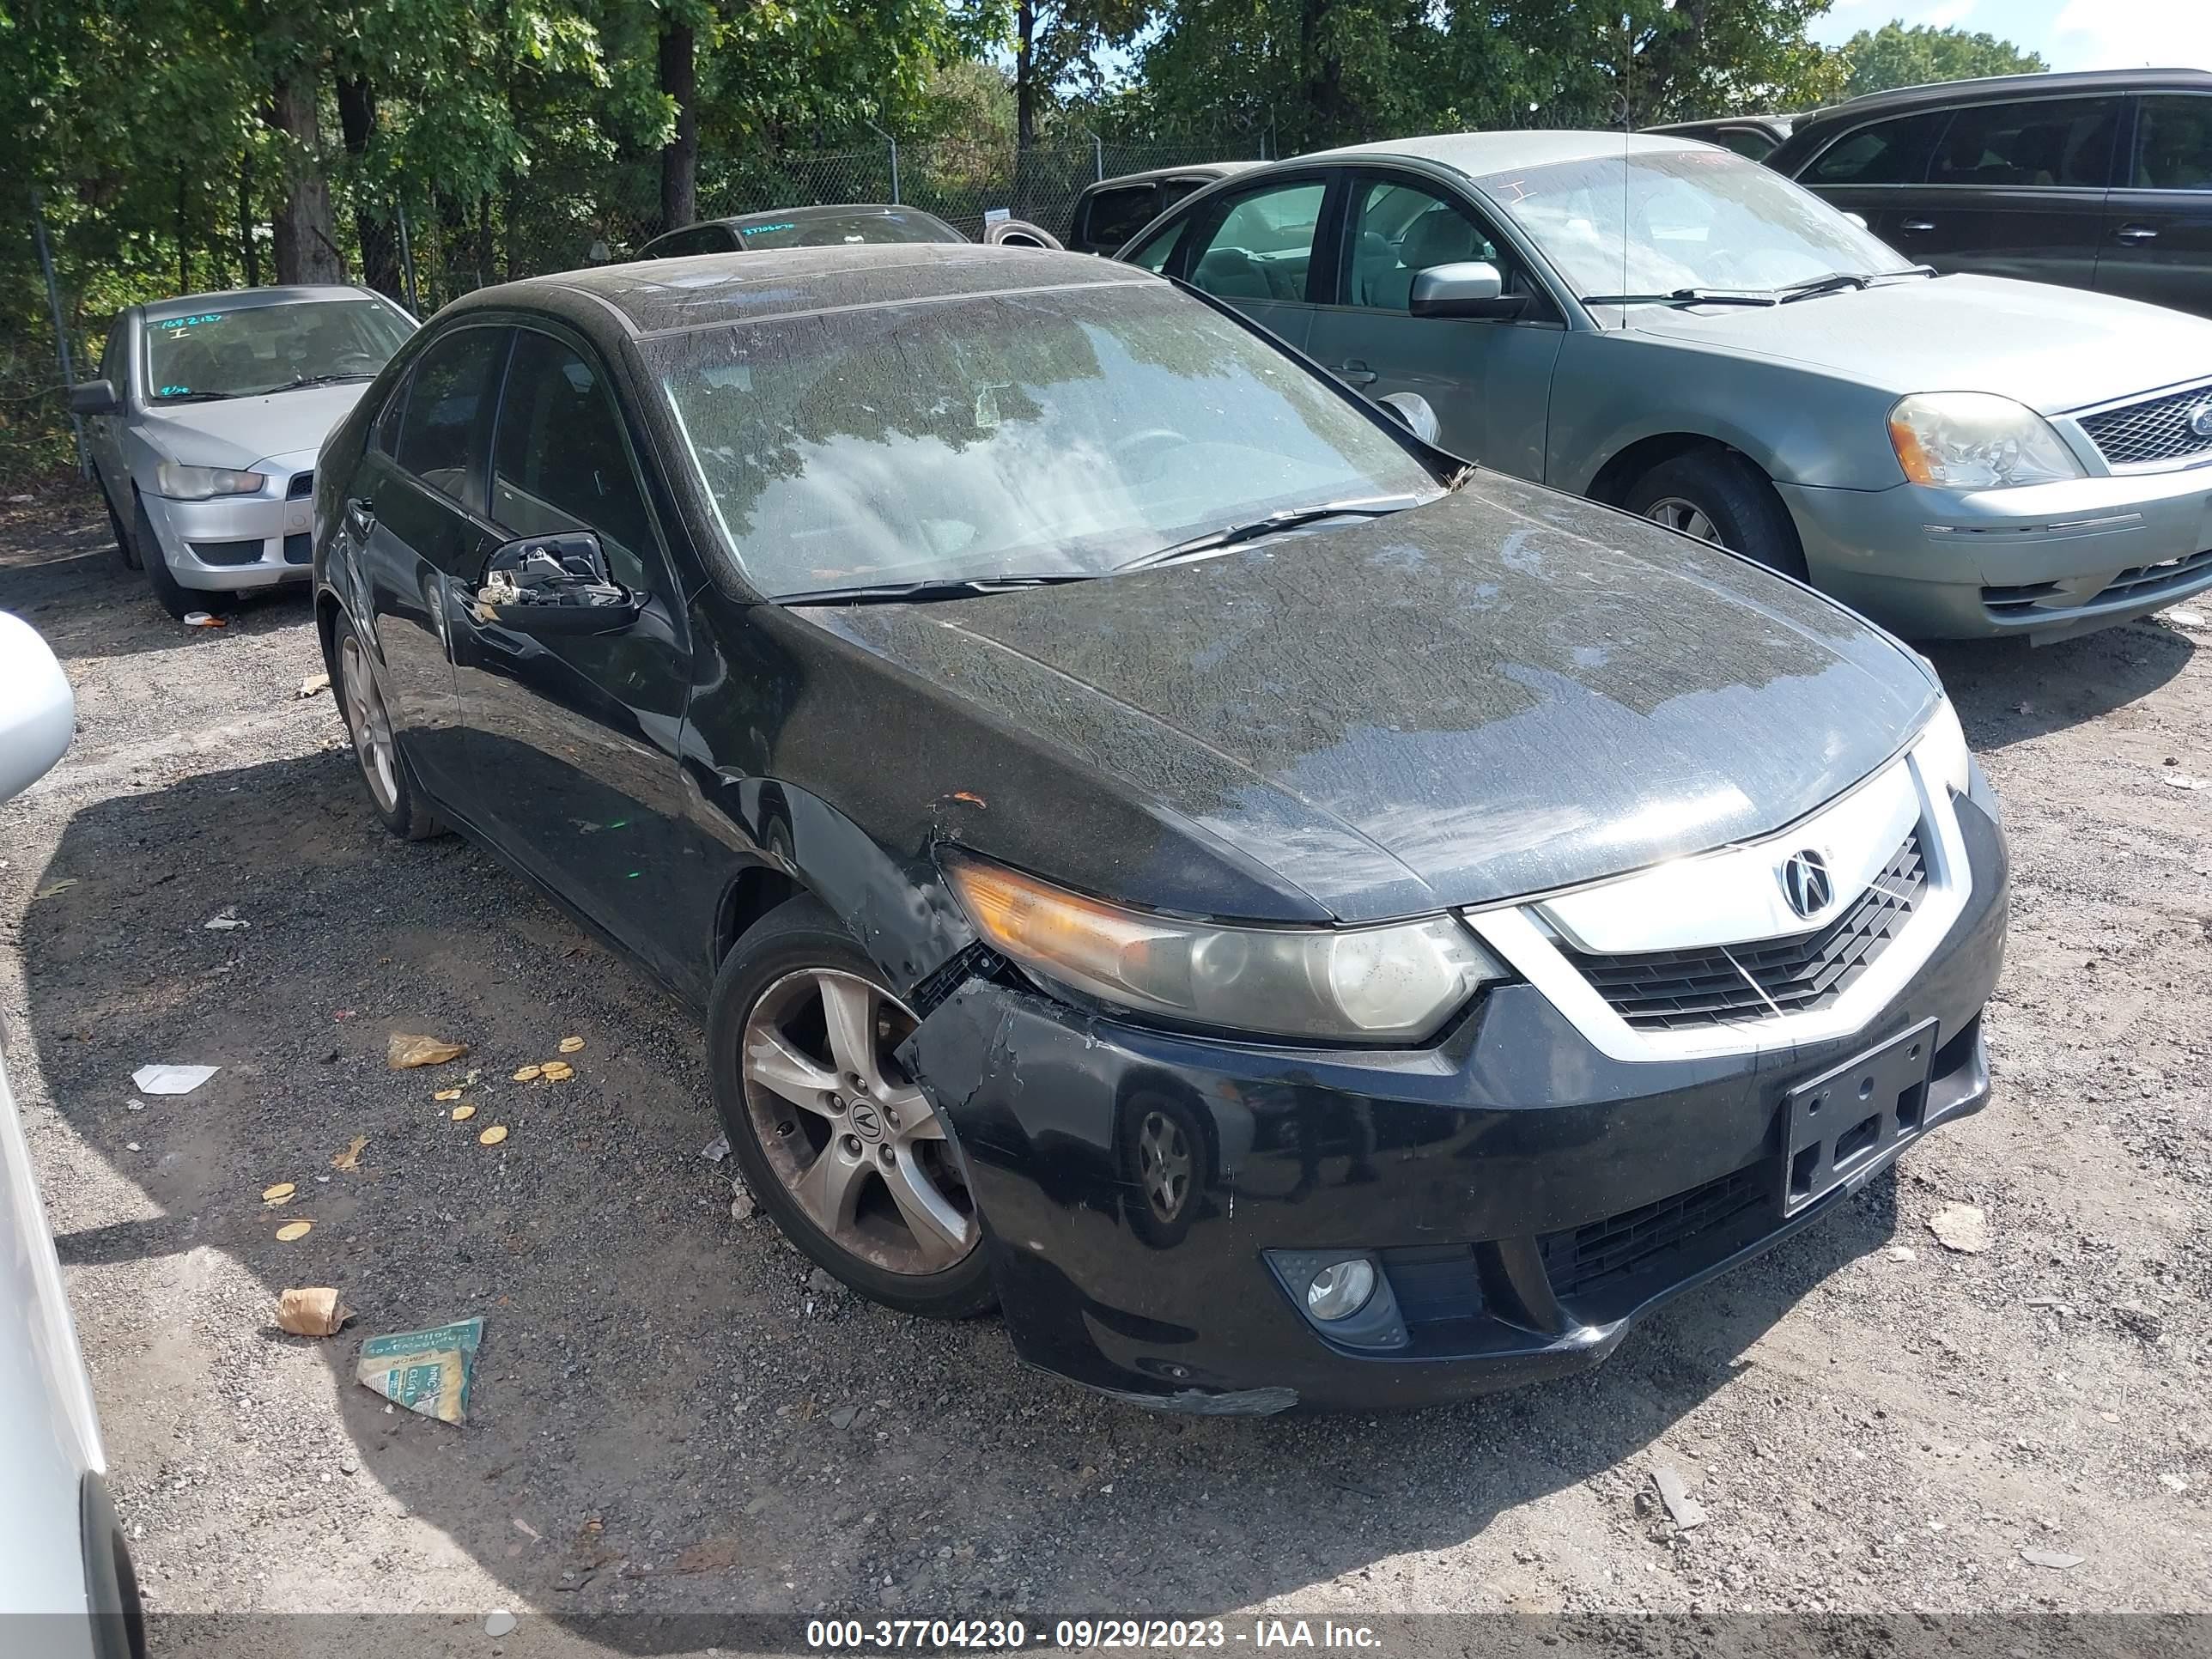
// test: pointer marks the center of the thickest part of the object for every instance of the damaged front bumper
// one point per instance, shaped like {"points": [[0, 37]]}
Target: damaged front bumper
{"points": [[1525, 1197]]}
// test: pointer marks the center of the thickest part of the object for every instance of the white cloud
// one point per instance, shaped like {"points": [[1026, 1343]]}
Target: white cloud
{"points": [[2131, 34]]}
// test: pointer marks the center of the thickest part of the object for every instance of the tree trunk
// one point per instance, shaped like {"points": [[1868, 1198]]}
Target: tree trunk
{"points": [[249, 243], [1025, 75], [372, 220], [679, 157], [306, 234]]}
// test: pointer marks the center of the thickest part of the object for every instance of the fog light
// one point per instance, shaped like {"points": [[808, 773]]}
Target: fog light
{"points": [[1341, 1289]]}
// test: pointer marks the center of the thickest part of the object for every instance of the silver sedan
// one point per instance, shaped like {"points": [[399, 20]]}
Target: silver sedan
{"points": [[1669, 328], [204, 426]]}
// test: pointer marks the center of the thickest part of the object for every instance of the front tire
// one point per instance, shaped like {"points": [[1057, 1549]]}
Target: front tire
{"points": [[1716, 496], [832, 1138], [392, 792], [171, 594]]}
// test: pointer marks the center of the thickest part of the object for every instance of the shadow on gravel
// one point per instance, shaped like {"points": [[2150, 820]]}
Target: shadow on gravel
{"points": [[659, 1425], [60, 571], [2009, 691]]}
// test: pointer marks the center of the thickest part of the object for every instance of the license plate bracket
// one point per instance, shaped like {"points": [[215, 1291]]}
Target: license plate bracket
{"points": [[1843, 1122]]}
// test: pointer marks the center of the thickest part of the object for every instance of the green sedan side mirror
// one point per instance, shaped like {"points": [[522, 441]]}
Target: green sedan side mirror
{"points": [[1470, 287]]}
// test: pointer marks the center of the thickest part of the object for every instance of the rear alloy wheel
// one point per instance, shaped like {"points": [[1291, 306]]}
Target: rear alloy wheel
{"points": [[370, 725], [1716, 496], [833, 1138]]}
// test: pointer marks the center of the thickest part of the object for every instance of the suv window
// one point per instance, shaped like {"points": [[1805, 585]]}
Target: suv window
{"points": [[1261, 248], [696, 239], [2044, 142], [2173, 144], [1886, 153], [441, 427], [559, 462], [1116, 215]]}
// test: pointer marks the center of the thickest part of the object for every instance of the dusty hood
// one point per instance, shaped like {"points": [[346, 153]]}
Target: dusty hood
{"points": [[1505, 691], [239, 431], [2052, 349]]}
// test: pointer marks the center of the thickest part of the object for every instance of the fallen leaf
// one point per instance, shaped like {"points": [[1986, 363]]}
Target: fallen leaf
{"points": [[279, 1193], [350, 1158], [408, 1051], [54, 887], [1961, 1227], [557, 1071], [970, 797], [293, 1230], [492, 1136], [570, 1045], [528, 1074], [463, 1114], [447, 1094]]}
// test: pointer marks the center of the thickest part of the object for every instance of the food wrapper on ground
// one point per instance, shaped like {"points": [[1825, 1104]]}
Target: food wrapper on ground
{"points": [[316, 1312], [410, 1049], [427, 1371]]}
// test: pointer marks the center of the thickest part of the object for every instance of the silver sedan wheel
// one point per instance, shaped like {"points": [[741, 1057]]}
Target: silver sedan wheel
{"points": [[850, 1136], [1686, 516], [370, 725]]}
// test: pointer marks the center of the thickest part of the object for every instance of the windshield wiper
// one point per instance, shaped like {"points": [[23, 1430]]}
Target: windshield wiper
{"points": [[921, 592], [1288, 519], [194, 397], [321, 380], [1833, 283], [1684, 297]]}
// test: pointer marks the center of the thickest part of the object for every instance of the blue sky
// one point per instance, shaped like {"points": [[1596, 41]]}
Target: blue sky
{"points": [[2071, 34]]}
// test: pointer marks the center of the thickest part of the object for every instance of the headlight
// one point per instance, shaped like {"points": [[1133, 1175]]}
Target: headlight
{"points": [[200, 483], [1362, 984], [1941, 751], [1976, 440]]}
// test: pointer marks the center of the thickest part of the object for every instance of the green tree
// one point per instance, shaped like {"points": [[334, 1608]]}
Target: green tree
{"points": [[1895, 56]]}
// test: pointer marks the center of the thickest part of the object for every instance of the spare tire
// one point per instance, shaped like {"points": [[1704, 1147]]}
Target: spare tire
{"points": [[1019, 233]]}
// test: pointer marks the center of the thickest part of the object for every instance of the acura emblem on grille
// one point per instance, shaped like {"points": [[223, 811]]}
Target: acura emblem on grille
{"points": [[1805, 883], [2200, 420]]}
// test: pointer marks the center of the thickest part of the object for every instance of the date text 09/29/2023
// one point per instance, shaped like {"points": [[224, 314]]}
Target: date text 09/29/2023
{"points": [[1003, 1635]]}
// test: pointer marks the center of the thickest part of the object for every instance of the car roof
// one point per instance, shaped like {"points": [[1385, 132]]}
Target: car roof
{"points": [[707, 290], [1191, 170], [1479, 154], [1986, 88], [247, 299], [805, 214], [1776, 123]]}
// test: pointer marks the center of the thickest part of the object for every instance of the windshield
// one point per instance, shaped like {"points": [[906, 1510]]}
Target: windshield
{"points": [[1027, 434], [833, 229], [241, 353], [1675, 218]]}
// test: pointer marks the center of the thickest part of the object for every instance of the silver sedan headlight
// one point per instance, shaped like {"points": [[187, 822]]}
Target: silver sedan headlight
{"points": [[1364, 984], [201, 483], [1976, 440], [1941, 751]]}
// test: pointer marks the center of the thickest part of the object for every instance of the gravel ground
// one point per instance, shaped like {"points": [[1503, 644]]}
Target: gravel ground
{"points": [[667, 1418]]}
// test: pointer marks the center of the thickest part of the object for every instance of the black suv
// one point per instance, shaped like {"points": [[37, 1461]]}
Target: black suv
{"points": [[2101, 180]]}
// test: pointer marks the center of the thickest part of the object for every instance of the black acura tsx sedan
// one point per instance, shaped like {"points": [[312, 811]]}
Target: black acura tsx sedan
{"points": [[1286, 916]]}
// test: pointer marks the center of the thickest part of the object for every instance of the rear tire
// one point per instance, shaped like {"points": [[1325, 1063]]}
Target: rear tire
{"points": [[813, 1120], [1718, 496], [173, 595], [392, 792]]}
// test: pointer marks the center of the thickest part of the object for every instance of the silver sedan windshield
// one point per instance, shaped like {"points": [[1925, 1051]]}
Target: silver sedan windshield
{"points": [[1657, 222], [262, 349]]}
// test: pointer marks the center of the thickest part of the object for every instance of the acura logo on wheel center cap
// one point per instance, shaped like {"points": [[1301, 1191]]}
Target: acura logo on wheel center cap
{"points": [[868, 1122], [2200, 420], [1806, 883]]}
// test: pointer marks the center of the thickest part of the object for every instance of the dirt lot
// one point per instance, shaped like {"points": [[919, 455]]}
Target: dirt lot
{"points": [[662, 1417]]}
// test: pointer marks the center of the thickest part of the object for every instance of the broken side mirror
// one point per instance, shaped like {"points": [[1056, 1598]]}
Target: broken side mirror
{"points": [[554, 584], [1411, 411]]}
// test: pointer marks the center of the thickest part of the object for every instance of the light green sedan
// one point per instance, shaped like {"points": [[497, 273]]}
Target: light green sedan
{"points": [[1663, 325]]}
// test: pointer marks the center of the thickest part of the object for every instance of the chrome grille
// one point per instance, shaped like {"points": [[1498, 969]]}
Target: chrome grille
{"points": [[2155, 432], [1669, 990]]}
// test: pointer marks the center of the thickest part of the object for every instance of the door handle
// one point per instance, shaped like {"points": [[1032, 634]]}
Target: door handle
{"points": [[1356, 373], [1917, 224], [2136, 233], [359, 516]]}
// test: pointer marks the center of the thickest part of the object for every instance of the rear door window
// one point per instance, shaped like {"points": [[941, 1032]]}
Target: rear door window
{"points": [[2173, 144], [2040, 143], [1885, 153], [1118, 214], [1262, 247]]}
